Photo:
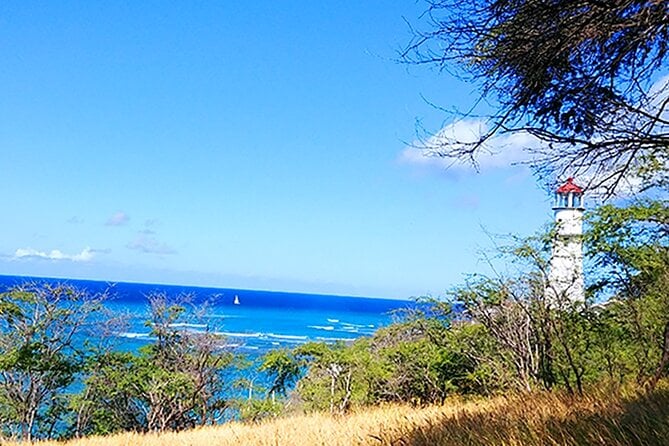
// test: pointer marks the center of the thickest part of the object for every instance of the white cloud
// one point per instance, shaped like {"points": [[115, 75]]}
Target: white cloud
{"points": [[501, 151], [85, 255], [147, 244], [521, 148], [119, 218]]}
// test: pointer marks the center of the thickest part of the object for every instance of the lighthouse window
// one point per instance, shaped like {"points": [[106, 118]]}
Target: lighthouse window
{"points": [[577, 201], [563, 201]]}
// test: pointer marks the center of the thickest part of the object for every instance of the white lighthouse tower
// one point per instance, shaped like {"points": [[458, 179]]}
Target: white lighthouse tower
{"points": [[565, 279]]}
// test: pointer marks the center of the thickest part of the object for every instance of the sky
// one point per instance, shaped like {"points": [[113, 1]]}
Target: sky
{"points": [[260, 145]]}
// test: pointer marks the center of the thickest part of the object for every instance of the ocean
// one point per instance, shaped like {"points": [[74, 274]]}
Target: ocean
{"points": [[251, 321]]}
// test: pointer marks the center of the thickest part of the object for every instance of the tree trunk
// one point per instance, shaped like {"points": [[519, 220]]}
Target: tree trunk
{"points": [[663, 361]]}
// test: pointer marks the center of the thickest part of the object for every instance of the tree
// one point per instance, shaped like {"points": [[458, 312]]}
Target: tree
{"points": [[283, 368], [341, 375], [412, 367], [580, 76], [174, 383], [330, 373], [43, 329], [630, 247], [418, 360], [542, 338], [421, 358], [548, 342], [108, 404]]}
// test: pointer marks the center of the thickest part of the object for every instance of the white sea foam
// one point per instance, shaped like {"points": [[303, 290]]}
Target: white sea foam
{"points": [[348, 324], [187, 325], [239, 335], [333, 321], [287, 337], [322, 327], [133, 335]]}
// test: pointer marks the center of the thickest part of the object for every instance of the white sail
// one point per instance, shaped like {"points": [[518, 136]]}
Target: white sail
{"points": [[236, 302]]}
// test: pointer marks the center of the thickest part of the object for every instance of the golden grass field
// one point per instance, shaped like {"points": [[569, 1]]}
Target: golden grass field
{"points": [[538, 419]]}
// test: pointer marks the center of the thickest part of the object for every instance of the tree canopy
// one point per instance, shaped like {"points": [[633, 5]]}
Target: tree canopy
{"points": [[583, 77]]}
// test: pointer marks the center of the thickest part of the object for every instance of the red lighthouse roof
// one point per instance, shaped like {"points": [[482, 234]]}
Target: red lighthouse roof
{"points": [[569, 186]]}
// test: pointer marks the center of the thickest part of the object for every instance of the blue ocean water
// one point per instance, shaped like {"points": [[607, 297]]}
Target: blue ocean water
{"points": [[261, 320]]}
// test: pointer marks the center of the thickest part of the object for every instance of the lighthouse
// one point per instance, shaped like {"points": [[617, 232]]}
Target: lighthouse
{"points": [[565, 278]]}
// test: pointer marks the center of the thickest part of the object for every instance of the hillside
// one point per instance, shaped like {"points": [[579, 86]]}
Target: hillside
{"points": [[539, 419]]}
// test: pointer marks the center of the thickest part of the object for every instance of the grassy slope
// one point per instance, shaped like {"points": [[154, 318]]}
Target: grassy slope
{"points": [[540, 419]]}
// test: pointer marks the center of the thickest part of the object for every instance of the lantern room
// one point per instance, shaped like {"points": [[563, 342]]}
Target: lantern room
{"points": [[569, 195]]}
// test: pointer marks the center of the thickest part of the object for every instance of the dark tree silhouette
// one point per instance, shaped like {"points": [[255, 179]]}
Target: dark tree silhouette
{"points": [[584, 77]]}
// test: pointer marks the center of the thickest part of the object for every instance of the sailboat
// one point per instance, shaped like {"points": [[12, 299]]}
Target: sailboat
{"points": [[236, 301]]}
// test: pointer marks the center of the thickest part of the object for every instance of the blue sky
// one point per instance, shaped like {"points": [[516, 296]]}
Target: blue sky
{"points": [[239, 144]]}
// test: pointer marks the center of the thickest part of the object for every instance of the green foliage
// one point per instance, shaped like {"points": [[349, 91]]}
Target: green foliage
{"points": [[172, 384], [629, 240], [255, 410], [41, 355], [283, 367], [491, 335], [335, 379], [630, 248], [513, 335], [420, 360]]}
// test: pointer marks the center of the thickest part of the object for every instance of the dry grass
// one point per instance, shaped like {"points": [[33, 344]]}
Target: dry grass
{"points": [[539, 419]]}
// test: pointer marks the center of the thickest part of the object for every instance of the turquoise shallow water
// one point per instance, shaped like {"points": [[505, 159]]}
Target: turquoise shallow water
{"points": [[261, 321]]}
